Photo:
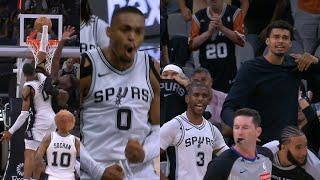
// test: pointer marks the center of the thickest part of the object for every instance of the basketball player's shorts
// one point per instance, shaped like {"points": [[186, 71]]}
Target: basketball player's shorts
{"points": [[31, 144], [33, 138], [143, 171], [136, 172], [56, 178]]}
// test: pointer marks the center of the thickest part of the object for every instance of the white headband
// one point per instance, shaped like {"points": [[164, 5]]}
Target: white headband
{"points": [[173, 67]]}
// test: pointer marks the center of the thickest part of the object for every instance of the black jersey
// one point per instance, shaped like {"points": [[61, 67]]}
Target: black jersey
{"points": [[309, 171], [217, 54]]}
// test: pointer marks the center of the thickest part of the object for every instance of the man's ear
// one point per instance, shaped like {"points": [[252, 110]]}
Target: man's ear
{"points": [[186, 98], [259, 131], [109, 31], [267, 41]]}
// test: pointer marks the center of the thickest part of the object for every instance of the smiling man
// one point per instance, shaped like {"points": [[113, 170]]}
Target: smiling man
{"points": [[194, 138], [292, 159], [270, 84]]}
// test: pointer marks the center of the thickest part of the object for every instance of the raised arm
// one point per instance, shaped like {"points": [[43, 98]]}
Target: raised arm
{"points": [[68, 31]]}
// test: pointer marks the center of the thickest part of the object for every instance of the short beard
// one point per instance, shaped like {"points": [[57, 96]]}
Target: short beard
{"points": [[294, 161]]}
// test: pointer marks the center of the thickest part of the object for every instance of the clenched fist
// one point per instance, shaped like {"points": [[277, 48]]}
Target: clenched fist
{"points": [[134, 151], [113, 172]]}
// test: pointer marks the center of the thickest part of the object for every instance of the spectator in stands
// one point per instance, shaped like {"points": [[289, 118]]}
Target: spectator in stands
{"points": [[179, 13], [164, 36], [69, 68], [36, 6], [257, 18], [292, 159], [4, 21], [307, 20], [218, 97], [214, 31], [186, 9], [270, 83], [309, 123], [245, 160], [56, 7]]}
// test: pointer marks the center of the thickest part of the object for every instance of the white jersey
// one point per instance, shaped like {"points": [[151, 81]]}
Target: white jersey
{"points": [[194, 145], [61, 156], [93, 34], [116, 107], [44, 114]]}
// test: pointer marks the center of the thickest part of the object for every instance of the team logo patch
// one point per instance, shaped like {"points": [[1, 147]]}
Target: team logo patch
{"points": [[120, 95]]}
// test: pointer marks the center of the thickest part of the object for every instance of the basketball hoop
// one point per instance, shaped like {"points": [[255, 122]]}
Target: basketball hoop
{"points": [[34, 46]]}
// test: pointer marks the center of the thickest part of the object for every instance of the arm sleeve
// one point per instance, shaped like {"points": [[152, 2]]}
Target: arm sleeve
{"points": [[168, 133], [89, 165], [238, 96], [19, 122], [151, 144]]}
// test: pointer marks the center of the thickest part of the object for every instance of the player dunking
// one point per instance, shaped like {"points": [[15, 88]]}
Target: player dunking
{"points": [[36, 95], [92, 29], [121, 109], [61, 148], [33, 97]]}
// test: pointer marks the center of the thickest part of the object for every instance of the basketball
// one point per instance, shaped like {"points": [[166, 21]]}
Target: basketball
{"points": [[39, 22]]}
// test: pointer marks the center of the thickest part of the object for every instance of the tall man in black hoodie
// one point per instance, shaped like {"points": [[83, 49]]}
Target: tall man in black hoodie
{"points": [[270, 83]]}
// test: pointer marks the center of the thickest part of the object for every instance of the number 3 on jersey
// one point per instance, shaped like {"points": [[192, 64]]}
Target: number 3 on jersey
{"points": [[200, 156], [124, 119], [215, 51]]}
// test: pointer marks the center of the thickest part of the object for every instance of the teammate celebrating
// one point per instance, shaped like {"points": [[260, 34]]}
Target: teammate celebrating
{"points": [[121, 109], [61, 148], [194, 138], [292, 159]]}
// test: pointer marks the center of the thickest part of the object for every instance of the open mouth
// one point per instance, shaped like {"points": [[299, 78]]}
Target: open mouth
{"points": [[129, 50]]}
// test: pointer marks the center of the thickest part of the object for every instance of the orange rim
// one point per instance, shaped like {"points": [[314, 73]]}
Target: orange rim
{"points": [[37, 42]]}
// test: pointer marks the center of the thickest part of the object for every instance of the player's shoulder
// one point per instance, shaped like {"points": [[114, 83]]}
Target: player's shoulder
{"points": [[265, 152], [257, 63], [101, 22], [202, 13], [232, 8], [175, 122], [89, 53]]}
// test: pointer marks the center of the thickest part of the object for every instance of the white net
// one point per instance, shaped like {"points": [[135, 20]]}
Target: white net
{"points": [[44, 45]]}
